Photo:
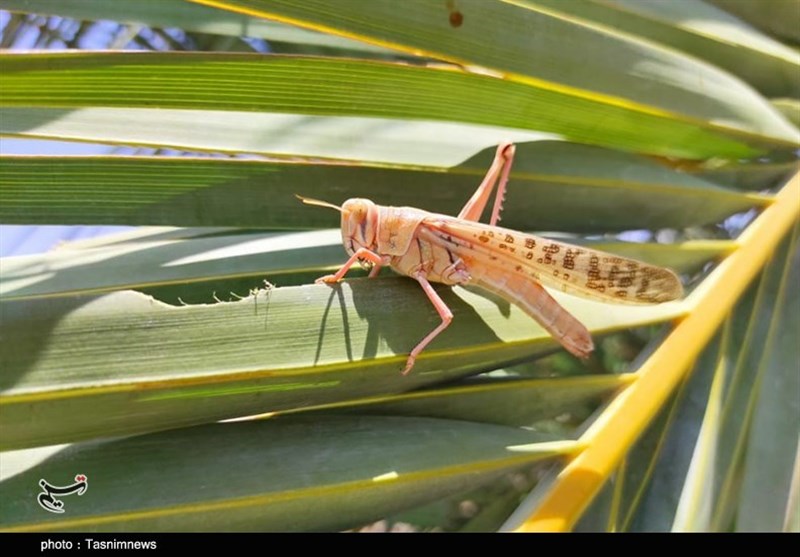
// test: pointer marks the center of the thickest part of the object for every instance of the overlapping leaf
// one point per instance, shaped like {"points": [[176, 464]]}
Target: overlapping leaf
{"points": [[343, 87], [554, 185], [285, 475], [701, 30], [565, 53], [78, 366], [188, 17], [282, 348], [209, 261]]}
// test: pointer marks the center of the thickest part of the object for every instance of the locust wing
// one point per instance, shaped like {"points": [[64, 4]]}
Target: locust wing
{"points": [[572, 269]]}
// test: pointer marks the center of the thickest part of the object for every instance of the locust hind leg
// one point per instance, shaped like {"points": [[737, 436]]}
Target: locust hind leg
{"points": [[533, 299], [444, 313], [497, 174]]}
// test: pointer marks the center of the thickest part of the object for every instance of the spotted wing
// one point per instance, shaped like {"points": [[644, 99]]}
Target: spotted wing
{"points": [[573, 269]]}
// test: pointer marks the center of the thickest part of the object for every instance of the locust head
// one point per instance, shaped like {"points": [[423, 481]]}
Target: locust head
{"points": [[359, 222], [359, 225]]}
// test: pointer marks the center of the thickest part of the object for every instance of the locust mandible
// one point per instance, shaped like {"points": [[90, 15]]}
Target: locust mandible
{"points": [[460, 250]]}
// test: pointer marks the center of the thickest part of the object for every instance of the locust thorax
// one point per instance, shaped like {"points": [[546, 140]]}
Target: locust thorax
{"points": [[359, 225]]}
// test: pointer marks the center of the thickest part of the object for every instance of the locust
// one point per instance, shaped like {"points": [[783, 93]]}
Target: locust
{"points": [[430, 247]]}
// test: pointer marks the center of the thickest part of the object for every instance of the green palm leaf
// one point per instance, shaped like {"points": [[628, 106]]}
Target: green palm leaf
{"points": [[614, 133]]}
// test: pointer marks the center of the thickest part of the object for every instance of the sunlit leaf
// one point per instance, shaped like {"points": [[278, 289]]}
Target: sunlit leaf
{"points": [[778, 17], [565, 54], [701, 30], [245, 82], [99, 374]]}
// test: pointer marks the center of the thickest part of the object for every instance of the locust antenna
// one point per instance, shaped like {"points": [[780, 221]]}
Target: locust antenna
{"points": [[310, 201]]}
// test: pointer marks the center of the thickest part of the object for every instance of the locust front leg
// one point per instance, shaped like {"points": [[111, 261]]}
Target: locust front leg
{"points": [[497, 174], [361, 253], [444, 313]]}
